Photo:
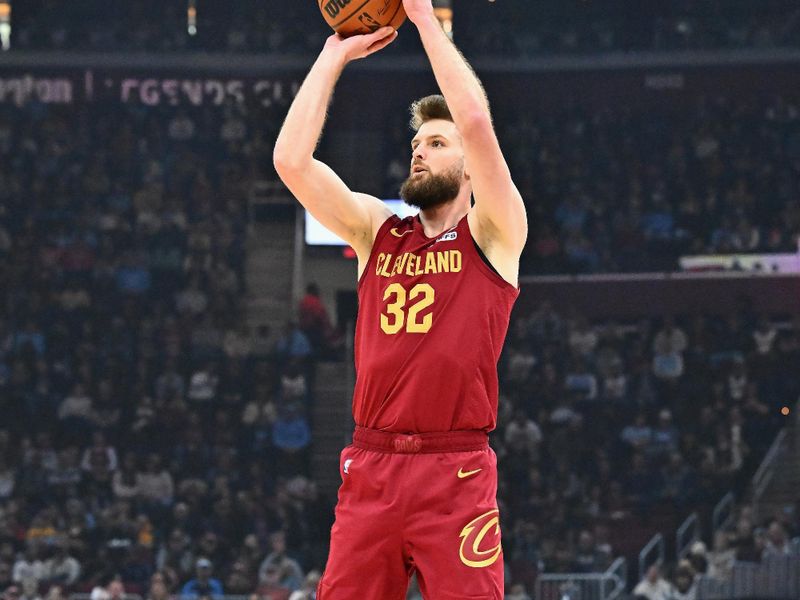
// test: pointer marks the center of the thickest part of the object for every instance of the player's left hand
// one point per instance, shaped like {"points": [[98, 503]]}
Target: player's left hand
{"points": [[417, 10]]}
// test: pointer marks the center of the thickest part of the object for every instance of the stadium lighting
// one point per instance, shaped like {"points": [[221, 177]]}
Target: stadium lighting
{"points": [[5, 24], [191, 17], [444, 12]]}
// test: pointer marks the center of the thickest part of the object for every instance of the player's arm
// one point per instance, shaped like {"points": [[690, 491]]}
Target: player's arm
{"points": [[353, 217], [499, 207]]}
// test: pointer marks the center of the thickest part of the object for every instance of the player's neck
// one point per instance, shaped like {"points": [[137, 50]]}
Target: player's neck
{"points": [[438, 219]]}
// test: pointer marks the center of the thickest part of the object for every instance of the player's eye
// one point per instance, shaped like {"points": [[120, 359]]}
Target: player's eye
{"points": [[437, 143]]}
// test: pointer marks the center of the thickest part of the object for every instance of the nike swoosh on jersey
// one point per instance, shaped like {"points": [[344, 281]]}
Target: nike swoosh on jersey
{"points": [[462, 474], [396, 234]]}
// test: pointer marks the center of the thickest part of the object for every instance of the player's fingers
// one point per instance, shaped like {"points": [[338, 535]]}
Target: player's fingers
{"points": [[382, 33], [382, 43]]}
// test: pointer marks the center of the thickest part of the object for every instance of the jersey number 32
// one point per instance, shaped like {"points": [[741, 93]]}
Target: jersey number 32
{"points": [[398, 315]]}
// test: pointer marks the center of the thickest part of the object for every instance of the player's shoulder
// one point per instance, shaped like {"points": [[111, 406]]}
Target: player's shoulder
{"points": [[377, 208]]}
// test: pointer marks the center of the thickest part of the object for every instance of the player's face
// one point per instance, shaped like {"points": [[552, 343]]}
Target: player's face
{"points": [[437, 165]]}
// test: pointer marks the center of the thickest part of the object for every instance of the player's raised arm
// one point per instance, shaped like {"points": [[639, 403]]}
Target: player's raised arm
{"points": [[353, 217], [498, 207]]}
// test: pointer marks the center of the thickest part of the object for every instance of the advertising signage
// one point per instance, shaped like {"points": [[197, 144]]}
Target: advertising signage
{"points": [[188, 80], [92, 85]]}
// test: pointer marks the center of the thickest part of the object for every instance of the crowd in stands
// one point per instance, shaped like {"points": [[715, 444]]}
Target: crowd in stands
{"points": [[601, 423], [745, 541], [149, 440], [513, 29], [626, 189]]}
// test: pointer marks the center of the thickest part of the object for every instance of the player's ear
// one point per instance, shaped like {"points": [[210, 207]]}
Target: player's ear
{"points": [[466, 170]]}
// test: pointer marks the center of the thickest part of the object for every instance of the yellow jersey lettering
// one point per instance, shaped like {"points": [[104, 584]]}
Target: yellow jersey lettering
{"points": [[403, 262], [442, 262], [379, 263], [386, 263], [420, 268], [410, 265], [397, 262], [455, 261], [430, 263]]}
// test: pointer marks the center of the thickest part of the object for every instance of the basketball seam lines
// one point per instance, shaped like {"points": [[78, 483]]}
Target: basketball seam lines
{"points": [[353, 13], [396, 10]]}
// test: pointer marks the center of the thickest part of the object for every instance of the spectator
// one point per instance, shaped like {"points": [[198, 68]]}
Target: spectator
{"points": [[115, 590], [588, 557], [124, 483], [56, 592], [309, 589], [62, 568], [203, 585], [642, 484], [581, 381], [291, 435], [721, 560], [683, 582], [293, 344], [175, 553], [653, 586], [99, 454], [545, 325], [236, 344], [278, 569], [30, 589], [76, 411], [239, 581], [615, 383], [203, 385], [313, 319], [638, 435], [294, 388], [158, 589], [170, 383], [29, 565], [678, 481], [764, 337], [665, 437], [524, 433], [582, 338], [778, 543], [155, 482]]}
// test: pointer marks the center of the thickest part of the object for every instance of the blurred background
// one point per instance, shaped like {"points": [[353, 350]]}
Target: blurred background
{"points": [[176, 333]]}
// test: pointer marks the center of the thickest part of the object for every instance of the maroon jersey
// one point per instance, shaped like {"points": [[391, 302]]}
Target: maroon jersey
{"points": [[432, 319]]}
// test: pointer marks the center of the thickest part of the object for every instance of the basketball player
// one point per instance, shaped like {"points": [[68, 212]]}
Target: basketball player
{"points": [[419, 482]]}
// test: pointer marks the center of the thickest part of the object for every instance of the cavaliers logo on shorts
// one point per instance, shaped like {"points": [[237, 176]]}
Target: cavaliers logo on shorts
{"points": [[480, 540]]}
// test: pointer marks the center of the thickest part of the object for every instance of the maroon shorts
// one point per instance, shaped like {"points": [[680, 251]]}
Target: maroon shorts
{"points": [[424, 503]]}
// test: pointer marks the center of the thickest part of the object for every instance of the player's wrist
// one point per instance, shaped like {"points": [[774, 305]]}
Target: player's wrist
{"points": [[426, 21], [333, 55]]}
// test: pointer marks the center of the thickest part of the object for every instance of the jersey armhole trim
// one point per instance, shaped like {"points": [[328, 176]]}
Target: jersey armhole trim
{"points": [[390, 221], [486, 267]]}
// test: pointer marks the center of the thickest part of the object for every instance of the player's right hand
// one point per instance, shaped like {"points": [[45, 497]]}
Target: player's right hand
{"points": [[360, 46]]}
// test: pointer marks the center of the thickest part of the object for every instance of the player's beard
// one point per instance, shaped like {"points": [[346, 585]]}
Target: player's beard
{"points": [[429, 190]]}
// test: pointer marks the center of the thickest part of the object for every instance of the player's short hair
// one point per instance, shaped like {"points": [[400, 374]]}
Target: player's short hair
{"points": [[428, 108]]}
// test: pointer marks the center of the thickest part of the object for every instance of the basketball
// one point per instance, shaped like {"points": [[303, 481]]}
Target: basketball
{"points": [[352, 17]]}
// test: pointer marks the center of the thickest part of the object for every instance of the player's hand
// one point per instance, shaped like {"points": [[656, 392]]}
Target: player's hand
{"points": [[417, 10], [360, 46]]}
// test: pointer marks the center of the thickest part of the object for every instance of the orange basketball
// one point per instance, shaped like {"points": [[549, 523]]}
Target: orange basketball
{"points": [[351, 17]]}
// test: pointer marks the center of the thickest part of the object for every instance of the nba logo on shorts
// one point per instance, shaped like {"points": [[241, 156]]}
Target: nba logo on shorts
{"points": [[347, 466]]}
